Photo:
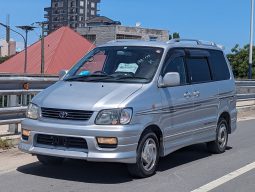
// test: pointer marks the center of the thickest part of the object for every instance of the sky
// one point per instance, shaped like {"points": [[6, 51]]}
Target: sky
{"points": [[225, 22]]}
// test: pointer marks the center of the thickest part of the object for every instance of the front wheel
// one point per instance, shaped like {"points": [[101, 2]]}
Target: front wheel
{"points": [[147, 157], [219, 145]]}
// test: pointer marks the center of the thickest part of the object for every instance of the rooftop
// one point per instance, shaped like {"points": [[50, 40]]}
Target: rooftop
{"points": [[187, 43], [63, 48]]}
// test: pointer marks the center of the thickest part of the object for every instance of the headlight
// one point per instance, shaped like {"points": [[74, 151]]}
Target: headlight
{"points": [[114, 117], [33, 111]]}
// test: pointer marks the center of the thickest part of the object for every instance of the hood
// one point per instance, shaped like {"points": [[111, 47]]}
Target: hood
{"points": [[85, 95]]}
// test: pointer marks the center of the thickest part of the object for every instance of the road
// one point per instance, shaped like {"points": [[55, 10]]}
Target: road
{"points": [[185, 170]]}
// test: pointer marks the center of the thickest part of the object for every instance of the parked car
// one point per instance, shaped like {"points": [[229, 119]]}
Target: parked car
{"points": [[133, 102]]}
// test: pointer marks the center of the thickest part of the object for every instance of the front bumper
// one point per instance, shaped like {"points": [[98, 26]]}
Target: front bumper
{"points": [[128, 137]]}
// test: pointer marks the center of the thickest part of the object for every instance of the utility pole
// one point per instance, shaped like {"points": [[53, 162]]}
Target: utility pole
{"points": [[251, 39], [8, 34], [42, 25], [26, 28]]}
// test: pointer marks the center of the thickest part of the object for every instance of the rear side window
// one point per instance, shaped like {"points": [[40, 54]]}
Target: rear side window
{"points": [[199, 70], [218, 66]]}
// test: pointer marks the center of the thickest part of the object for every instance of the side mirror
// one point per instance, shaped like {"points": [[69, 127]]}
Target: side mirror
{"points": [[170, 79], [62, 74]]}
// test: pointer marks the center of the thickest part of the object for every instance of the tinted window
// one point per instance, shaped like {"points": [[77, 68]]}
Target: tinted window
{"points": [[177, 65], [219, 66], [199, 70]]}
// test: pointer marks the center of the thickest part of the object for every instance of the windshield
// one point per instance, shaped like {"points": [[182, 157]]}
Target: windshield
{"points": [[131, 64]]}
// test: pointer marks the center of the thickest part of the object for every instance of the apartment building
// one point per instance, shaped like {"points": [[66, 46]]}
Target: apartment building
{"points": [[71, 13]]}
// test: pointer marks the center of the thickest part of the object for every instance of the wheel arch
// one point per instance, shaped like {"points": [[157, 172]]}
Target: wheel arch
{"points": [[225, 115], [155, 129]]}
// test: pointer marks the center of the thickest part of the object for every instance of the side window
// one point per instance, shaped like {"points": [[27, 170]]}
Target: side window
{"points": [[219, 66], [177, 65], [199, 70]]}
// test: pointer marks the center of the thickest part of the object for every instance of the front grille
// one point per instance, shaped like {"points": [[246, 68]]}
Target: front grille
{"points": [[61, 141], [66, 114]]}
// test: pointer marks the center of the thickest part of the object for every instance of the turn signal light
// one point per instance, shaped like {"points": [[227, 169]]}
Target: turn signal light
{"points": [[107, 142], [25, 134]]}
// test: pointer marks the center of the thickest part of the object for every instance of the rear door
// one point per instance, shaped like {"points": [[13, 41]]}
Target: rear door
{"points": [[205, 95]]}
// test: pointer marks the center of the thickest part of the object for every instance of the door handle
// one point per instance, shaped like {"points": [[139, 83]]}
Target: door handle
{"points": [[196, 93], [187, 95]]}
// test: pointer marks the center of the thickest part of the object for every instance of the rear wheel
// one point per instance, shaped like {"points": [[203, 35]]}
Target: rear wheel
{"points": [[48, 160], [147, 157], [220, 143]]}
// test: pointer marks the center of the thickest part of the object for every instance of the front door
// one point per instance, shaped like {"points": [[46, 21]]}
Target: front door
{"points": [[178, 123]]}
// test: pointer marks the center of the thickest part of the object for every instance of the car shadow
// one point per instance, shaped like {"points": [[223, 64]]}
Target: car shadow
{"points": [[110, 173]]}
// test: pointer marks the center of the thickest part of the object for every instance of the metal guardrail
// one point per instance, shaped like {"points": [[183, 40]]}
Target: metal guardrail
{"points": [[14, 98]]}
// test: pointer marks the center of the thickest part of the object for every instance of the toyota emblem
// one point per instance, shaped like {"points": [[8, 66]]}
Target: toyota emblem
{"points": [[63, 114]]}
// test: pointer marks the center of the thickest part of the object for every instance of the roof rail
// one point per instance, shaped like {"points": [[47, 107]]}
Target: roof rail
{"points": [[198, 42], [123, 40], [180, 40]]}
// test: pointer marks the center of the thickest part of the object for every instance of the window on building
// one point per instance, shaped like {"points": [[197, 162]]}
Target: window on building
{"points": [[56, 12], [54, 4], [90, 37], [93, 5], [92, 12], [82, 3], [73, 11], [61, 4], [56, 19], [123, 36], [72, 4], [81, 11], [153, 38], [81, 18]]}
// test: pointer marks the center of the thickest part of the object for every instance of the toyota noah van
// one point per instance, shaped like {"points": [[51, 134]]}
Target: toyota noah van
{"points": [[133, 102]]}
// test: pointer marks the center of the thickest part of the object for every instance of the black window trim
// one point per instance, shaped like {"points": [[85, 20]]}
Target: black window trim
{"points": [[210, 63], [199, 57], [171, 57]]}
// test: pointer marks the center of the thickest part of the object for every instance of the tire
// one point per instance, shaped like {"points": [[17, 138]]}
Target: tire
{"points": [[219, 145], [146, 160], [48, 160]]}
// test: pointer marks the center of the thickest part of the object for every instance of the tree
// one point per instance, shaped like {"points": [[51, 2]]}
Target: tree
{"points": [[174, 36], [239, 58], [3, 59]]}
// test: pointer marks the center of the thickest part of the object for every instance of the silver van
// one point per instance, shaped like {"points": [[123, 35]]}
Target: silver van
{"points": [[133, 102]]}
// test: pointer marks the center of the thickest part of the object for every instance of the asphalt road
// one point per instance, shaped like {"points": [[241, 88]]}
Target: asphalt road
{"points": [[184, 170]]}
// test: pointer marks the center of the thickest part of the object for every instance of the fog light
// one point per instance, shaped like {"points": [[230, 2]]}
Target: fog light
{"points": [[25, 134], [107, 142]]}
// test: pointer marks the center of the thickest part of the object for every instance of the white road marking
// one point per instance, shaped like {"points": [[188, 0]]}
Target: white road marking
{"points": [[226, 178]]}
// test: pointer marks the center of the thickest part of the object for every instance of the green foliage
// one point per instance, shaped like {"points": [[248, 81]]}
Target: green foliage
{"points": [[3, 59], [239, 59], [4, 144], [174, 36]]}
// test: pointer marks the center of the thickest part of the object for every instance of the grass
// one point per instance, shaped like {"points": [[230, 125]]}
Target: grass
{"points": [[4, 144]]}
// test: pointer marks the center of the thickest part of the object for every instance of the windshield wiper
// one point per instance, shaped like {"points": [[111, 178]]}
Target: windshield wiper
{"points": [[87, 78], [130, 77]]}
